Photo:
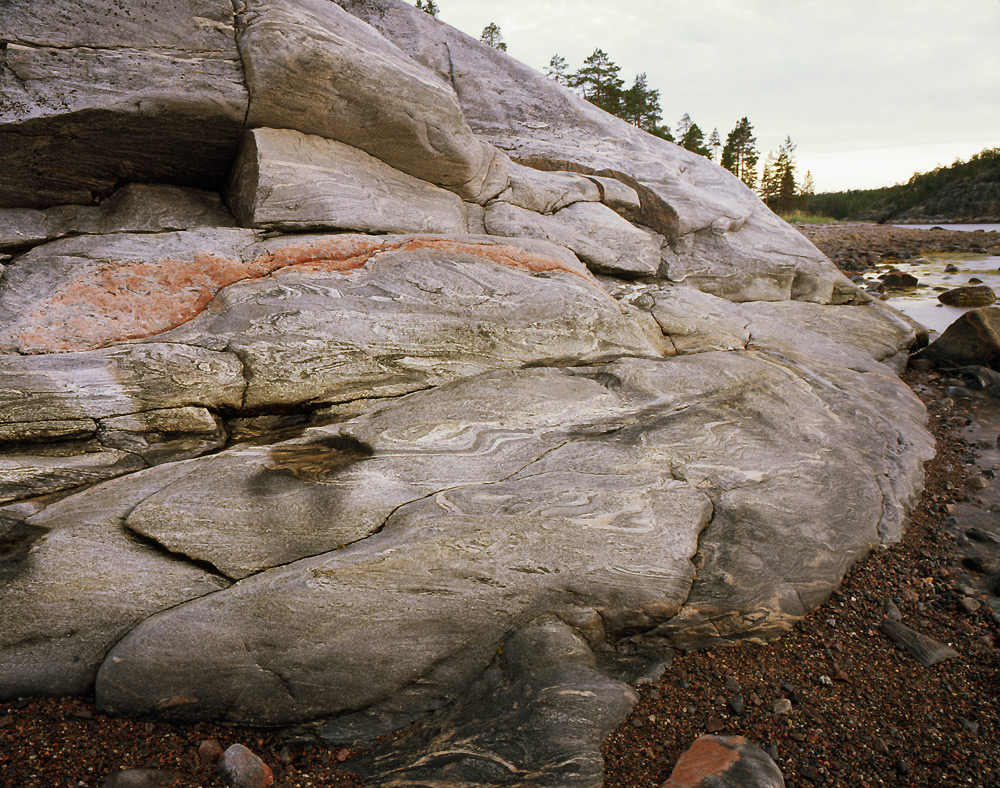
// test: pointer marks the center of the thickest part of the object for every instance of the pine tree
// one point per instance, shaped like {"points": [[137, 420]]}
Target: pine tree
{"points": [[429, 6], [807, 189], [740, 155], [694, 141], [714, 143], [777, 184], [683, 126], [768, 183], [557, 69], [663, 132], [640, 105], [491, 36], [785, 173], [599, 81]]}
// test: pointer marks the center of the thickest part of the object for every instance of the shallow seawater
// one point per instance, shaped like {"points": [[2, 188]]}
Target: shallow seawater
{"points": [[963, 227], [921, 302]]}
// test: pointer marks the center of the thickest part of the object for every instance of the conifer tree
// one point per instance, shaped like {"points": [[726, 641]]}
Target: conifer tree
{"points": [[768, 183], [784, 166], [491, 36], [640, 104], [694, 141], [714, 143], [429, 6], [557, 69], [599, 81], [740, 155], [683, 126], [777, 184]]}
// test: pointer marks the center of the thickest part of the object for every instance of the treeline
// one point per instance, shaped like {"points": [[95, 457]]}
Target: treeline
{"points": [[599, 81], [965, 188]]}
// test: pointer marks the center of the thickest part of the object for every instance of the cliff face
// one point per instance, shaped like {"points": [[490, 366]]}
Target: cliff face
{"points": [[353, 373]]}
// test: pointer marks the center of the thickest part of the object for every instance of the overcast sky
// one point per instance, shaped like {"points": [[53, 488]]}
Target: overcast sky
{"points": [[870, 91]]}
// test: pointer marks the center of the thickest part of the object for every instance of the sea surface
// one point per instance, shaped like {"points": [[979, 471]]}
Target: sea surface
{"points": [[921, 302], [966, 227]]}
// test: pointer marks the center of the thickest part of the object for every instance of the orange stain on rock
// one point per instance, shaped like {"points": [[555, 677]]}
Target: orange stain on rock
{"points": [[137, 300]]}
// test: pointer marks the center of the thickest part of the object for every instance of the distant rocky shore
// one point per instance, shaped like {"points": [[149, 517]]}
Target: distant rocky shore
{"points": [[858, 247]]}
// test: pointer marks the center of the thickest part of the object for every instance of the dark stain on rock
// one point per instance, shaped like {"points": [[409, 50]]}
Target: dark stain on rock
{"points": [[16, 539], [319, 460]]}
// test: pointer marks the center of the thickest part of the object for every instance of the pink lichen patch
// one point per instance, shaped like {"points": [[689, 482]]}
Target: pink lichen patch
{"points": [[112, 302], [115, 302], [339, 253]]}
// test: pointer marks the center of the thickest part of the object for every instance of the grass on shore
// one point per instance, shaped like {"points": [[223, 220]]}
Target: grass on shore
{"points": [[798, 217]]}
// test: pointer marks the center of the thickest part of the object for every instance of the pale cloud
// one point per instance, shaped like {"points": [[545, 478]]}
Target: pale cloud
{"points": [[849, 80]]}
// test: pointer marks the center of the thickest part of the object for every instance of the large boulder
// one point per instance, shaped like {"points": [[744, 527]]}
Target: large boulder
{"points": [[972, 340], [468, 405]]}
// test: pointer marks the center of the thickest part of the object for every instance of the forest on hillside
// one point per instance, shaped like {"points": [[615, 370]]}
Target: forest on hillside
{"points": [[968, 190]]}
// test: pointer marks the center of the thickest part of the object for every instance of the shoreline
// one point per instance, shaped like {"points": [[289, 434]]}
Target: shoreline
{"points": [[856, 247], [863, 713]]}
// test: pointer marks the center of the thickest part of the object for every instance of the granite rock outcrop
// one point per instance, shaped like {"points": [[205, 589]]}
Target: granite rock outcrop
{"points": [[357, 377]]}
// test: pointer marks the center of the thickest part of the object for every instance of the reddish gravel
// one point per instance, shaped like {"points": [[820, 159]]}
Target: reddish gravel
{"points": [[863, 713], [66, 743]]}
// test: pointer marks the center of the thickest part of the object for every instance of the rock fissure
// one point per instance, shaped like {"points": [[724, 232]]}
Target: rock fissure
{"points": [[153, 544], [288, 688]]}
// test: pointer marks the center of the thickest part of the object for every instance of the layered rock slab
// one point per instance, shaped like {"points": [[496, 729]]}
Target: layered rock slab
{"points": [[85, 583], [153, 96], [405, 313], [383, 103], [499, 540], [291, 181]]}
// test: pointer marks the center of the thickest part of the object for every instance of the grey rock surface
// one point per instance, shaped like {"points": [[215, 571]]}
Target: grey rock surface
{"points": [[120, 94], [418, 312], [79, 552], [551, 706], [384, 103], [291, 181], [595, 233], [562, 397], [722, 238], [135, 208]]}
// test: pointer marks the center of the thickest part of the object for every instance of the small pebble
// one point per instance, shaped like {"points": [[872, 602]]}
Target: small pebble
{"points": [[737, 704], [782, 706], [968, 604], [210, 752], [970, 726], [240, 768]]}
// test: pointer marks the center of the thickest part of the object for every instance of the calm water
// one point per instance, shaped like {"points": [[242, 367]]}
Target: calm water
{"points": [[967, 227], [921, 302]]}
